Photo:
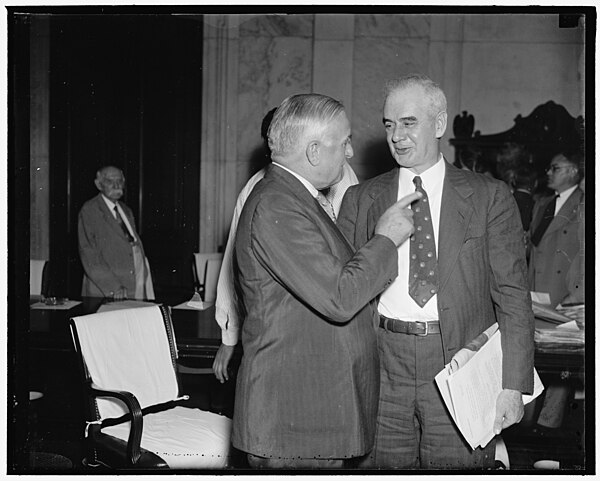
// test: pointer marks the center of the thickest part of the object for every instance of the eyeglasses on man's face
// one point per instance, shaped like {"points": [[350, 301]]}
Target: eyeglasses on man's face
{"points": [[554, 168]]}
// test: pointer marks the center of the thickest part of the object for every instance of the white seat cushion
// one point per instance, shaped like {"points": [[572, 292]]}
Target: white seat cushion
{"points": [[185, 438]]}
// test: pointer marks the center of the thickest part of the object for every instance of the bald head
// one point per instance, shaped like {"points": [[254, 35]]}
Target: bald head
{"points": [[111, 182]]}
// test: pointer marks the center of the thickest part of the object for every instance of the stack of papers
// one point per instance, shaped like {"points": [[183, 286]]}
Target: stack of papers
{"points": [[470, 385], [548, 314], [568, 338], [573, 311]]}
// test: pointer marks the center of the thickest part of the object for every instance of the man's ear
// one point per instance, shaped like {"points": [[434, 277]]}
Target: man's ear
{"points": [[98, 184], [312, 152], [441, 121]]}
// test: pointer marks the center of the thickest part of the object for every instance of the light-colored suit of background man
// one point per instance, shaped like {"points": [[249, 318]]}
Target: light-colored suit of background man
{"points": [[308, 384], [226, 305], [480, 277], [556, 265], [111, 251]]}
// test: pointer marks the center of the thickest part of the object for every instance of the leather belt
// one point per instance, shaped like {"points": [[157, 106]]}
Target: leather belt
{"points": [[415, 328]]}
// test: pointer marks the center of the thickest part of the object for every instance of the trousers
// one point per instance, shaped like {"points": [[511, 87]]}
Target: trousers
{"points": [[414, 428]]}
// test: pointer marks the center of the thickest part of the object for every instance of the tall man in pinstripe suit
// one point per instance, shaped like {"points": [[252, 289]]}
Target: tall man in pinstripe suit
{"points": [[307, 388], [470, 272], [226, 304]]}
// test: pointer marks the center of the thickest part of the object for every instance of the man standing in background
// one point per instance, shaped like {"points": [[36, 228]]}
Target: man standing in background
{"points": [[555, 264], [111, 251]]}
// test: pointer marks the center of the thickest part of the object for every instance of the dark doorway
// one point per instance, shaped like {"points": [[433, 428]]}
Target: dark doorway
{"points": [[126, 91]]}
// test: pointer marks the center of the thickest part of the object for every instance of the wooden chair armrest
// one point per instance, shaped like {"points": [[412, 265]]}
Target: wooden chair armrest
{"points": [[135, 413]]}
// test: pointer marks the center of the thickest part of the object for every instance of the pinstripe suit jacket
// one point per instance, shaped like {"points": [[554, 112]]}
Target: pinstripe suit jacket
{"points": [[558, 253], [481, 262], [104, 250], [308, 384]]}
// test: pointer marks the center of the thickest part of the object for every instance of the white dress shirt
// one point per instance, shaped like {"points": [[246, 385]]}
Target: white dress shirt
{"points": [[395, 302], [226, 313], [562, 198]]}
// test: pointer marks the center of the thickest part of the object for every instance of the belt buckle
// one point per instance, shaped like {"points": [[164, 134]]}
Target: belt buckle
{"points": [[426, 329]]}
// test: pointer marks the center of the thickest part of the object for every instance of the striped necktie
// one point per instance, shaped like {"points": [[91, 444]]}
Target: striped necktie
{"points": [[123, 226]]}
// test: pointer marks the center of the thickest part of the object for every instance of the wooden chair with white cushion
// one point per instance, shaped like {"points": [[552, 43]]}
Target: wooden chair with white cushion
{"points": [[128, 362]]}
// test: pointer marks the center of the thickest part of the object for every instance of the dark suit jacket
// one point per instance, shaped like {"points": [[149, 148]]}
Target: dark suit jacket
{"points": [[481, 262], [558, 252], [308, 384], [105, 252], [525, 204]]}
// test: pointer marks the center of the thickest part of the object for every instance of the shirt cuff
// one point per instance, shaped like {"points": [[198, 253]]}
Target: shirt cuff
{"points": [[230, 336]]}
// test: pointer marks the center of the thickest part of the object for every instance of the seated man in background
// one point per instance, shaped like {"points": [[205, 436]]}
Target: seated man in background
{"points": [[556, 233], [111, 251], [226, 305], [308, 384]]}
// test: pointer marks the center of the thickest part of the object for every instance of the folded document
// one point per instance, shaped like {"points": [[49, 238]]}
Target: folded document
{"points": [[471, 383]]}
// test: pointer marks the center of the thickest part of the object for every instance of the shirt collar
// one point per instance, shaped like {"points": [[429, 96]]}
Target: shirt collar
{"points": [[432, 178], [109, 203], [311, 188], [566, 193]]}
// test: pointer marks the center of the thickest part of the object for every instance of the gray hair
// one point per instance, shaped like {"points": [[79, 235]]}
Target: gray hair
{"points": [[437, 98], [297, 116]]}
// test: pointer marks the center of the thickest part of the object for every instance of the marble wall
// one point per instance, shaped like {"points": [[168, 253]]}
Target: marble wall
{"points": [[496, 66]]}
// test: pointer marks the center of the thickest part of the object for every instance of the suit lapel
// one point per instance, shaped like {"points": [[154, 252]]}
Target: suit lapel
{"points": [[567, 212], [108, 217], [538, 212], [384, 193], [455, 216]]}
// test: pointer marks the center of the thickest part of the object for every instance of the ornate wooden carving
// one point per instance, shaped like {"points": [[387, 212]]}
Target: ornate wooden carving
{"points": [[548, 130]]}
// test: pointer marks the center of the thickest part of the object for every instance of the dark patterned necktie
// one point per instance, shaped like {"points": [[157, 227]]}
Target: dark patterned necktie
{"points": [[123, 226], [327, 206], [422, 284], [545, 222]]}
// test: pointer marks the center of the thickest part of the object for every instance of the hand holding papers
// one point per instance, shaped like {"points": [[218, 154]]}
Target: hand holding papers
{"points": [[470, 385]]}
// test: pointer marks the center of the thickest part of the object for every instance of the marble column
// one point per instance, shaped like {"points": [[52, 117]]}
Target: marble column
{"points": [[333, 55], [446, 67], [219, 128]]}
